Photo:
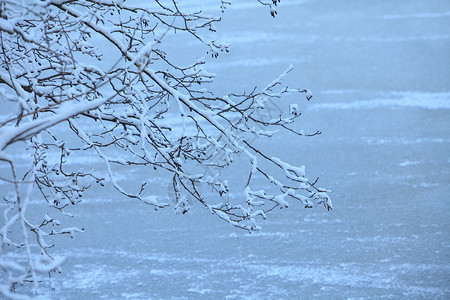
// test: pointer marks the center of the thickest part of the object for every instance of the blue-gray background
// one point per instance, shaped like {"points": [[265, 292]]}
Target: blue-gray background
{"points": [[380, 75]]}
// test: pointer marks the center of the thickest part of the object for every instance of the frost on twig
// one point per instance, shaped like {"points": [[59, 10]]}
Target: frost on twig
{"points": [[97, 69]]}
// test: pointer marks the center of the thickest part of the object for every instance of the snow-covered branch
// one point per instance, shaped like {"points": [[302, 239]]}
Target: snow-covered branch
{"points": [[92, 75]]}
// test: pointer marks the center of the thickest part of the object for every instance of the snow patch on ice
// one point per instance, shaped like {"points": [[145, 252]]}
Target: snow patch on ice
{"points": [[255, 37], [421, 100], [444, 14], [402, 141], [408, 163], [134, 295], [425, 185], [87, 276], [163, 272], [257, 62], [163, 258], [316, 221], [263, 234], [199, 291], [354, 275], [382, 239], [393, 39], [339, 92], [379, 141]]}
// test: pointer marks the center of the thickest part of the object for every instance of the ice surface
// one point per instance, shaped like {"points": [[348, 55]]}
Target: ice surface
{"points": [[380, 77]]}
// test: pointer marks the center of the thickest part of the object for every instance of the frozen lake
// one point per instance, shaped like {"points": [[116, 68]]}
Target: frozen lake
{"points": [[380, 75]]}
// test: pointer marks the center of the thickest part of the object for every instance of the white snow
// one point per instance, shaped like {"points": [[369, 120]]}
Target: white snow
{"points": [[423, 100], [431, 15], [408, 163]]}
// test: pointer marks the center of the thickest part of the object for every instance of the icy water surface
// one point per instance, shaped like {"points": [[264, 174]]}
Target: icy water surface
{"points": [[380, 74]]}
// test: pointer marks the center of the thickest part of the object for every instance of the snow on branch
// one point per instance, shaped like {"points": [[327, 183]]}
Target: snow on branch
{"points": [[92, 76]]}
